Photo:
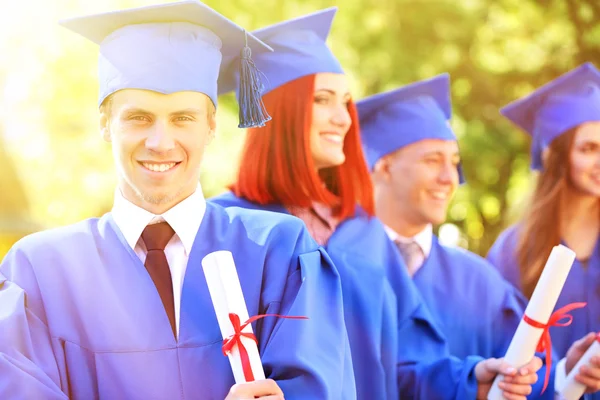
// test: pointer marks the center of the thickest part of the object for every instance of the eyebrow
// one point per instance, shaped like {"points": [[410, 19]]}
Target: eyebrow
{"points": [[439, 153], [187, 111], [587, 141], [332, 92], [137, 110]]}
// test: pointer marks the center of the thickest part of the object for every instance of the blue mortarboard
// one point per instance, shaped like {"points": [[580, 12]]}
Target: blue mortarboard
{"points": [[300, 50], [392, 120], [560, 105], [169, 48]]}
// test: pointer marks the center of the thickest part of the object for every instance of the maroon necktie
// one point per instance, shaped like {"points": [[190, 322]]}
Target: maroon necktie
{"points": [[156, 237]]}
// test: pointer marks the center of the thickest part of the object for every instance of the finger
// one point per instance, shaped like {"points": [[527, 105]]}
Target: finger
{"points": [[585, 342], [595, 361], [499, 366], [589, 372], [510, 396], [590, 383], [532, 366], [528, 379], [265, 387], [512, 388]]}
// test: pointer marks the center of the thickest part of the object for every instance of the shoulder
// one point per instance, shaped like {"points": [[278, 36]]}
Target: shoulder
{"points": [[503, 255], [507, 240], [51, 240], [503, 251], [472, 264], [266, 227], [482, 275]]}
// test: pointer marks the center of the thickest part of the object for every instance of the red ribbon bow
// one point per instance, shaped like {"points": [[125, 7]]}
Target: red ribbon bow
{"points": [[236, 339], [545, 343]]}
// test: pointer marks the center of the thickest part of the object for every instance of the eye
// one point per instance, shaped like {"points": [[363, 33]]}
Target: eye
{"points": [[321, 99], [140, 118], [184, 118], [587, 148]]}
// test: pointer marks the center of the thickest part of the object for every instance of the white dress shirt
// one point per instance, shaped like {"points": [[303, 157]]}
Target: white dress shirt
{"points": [[424, 239], [185, 219]]}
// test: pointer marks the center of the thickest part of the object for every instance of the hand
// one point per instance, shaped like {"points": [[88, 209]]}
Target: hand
{"points": [[516, 384], [265, 389], [589, 375]]}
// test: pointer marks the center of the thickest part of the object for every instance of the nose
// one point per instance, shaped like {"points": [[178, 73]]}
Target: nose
{"points": [[160, 138], [449, 174], [341, 117], [597, 163]]}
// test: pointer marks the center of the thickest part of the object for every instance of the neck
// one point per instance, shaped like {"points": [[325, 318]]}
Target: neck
{"points": [[156, 206], [393, 216], [580, 223], [580, 209]]}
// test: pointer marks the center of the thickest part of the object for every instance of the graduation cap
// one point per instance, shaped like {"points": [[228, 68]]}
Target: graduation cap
{"points": [[394, 119], [560, 105], [300, 50], [173, 47]]}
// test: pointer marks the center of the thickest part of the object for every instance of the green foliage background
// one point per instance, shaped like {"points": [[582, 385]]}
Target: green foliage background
{"points": [[56, 169]]}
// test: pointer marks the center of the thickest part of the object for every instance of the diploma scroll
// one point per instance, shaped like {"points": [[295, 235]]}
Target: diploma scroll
{"points": [[573, 390], [227, 298], [525, 341]]}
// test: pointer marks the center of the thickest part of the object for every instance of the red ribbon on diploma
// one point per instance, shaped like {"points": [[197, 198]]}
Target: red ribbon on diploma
{"points": [[545, 343], [236, 339]]}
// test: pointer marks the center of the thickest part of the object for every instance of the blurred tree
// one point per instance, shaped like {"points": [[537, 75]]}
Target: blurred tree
{"points": [[14, 205], [495, 51]]}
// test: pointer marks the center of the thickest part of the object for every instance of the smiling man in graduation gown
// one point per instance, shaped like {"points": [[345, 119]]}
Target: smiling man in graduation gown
{"points": [[118, 307], [415, 162]]}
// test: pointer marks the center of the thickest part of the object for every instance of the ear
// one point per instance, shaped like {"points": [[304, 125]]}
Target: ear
{"points": [[104, 124], [212, 127], [381, 170], [545, 157]]}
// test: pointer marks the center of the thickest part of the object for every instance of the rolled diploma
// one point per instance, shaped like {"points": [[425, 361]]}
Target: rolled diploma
{"points": [[573, 390], [227, 297], [524, 343]]}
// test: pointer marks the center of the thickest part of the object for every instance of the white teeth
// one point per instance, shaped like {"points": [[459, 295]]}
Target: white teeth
{"points": [[333, 137], [439, 195], [158, 167]]}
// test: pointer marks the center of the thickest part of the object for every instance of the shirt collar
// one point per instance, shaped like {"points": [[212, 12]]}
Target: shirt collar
{"points": [[185, 218], [424, 238]]}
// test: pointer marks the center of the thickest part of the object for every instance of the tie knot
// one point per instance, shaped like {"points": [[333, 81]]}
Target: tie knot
{"points": [[408, 248], [411, 254], [156, 236]]}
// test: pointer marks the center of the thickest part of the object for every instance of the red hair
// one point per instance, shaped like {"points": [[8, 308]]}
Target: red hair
{"points": [[276, 165]]}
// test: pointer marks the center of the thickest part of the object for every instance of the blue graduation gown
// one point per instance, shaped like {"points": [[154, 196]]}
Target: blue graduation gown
{"points": [[477, 310], [81, 317], [370, 266], [582, 284]]}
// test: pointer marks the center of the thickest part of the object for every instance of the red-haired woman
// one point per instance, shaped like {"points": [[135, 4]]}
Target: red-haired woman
{"points": [[308, 162], [563, 118]]}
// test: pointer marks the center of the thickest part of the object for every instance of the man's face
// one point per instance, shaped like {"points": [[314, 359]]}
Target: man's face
{"points": [[158, 143], [423, 178]]}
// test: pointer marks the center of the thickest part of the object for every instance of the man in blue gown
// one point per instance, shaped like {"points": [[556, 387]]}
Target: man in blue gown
{"points": [[415, 163], [118, 307]]}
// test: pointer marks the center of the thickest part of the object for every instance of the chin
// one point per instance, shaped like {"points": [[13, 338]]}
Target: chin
{"points": [[334, 161], [436, 218]]}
